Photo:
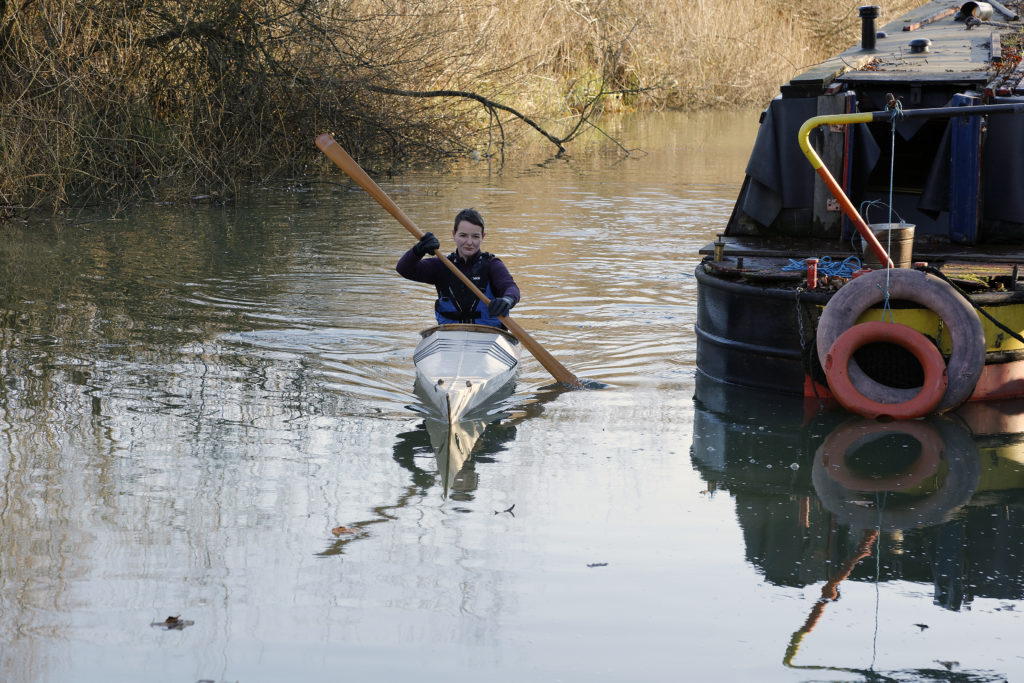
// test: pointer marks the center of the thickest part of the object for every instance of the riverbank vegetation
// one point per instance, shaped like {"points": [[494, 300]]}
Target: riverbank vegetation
{"points": [[117, 101]]}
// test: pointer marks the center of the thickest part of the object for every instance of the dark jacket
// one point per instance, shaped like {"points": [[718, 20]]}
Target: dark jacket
{"points": [[455, 303]]}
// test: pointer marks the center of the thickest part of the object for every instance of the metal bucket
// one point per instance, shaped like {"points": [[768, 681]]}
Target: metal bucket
{"points": [[896, 238], [979, 10]]}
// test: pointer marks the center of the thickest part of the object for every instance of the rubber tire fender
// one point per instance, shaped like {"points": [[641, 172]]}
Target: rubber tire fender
{"points": [[889, 404], [967, 337]]}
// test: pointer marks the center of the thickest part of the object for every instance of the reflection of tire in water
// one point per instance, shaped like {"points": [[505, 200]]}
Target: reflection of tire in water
{"points": [[851, 492], [835, 452]]}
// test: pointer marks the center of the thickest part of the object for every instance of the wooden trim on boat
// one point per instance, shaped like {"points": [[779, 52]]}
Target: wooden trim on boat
{"points": [[469, 327]]}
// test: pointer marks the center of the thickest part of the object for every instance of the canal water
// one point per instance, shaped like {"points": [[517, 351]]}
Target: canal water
{"points": [[213, 466]]}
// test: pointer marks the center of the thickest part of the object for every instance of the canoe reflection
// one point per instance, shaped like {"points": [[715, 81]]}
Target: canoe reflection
{"points": [[479, 436], [945, 495], [453, 444], [434, 454], [480, 439], [438, 455]]}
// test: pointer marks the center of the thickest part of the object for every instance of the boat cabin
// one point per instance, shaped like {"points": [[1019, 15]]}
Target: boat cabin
{"points": [[956, 179]]}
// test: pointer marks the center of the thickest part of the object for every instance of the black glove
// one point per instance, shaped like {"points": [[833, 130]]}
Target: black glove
{"points": [[427, 244], [500, 306]]}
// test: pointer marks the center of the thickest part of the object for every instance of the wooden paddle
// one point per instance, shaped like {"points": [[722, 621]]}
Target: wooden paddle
{"points": [[339, 156]]}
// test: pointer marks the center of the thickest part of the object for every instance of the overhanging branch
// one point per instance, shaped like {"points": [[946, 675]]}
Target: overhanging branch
{"points": [[490, 104]]}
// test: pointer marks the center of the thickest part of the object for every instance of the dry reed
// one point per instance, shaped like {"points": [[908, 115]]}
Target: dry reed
{"points": [[113, 101]]}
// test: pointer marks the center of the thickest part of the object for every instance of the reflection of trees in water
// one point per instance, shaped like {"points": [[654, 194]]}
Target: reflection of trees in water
{"points": [[122, 413]]}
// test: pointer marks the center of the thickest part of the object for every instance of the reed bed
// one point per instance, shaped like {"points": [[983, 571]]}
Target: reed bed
{"points": [[112, 102]]}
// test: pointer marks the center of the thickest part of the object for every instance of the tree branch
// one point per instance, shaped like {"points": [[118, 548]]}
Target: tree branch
{"points": [[584, 116], [490, 104]]}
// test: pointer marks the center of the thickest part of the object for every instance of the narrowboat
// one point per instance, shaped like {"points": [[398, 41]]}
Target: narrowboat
{"points": [[871, 261]]}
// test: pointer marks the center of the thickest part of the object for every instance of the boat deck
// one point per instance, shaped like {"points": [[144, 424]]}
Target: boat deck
{"points": [[982, 268], [945, 59], [953, 177], [924, 250]]}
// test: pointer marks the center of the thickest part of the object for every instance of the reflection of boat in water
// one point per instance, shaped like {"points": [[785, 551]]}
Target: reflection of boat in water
{"points": [[481, 430], [824, 499], [452, 455], [453, 444], [460, 368], [896, 475], [947, 495], [481, 435]]}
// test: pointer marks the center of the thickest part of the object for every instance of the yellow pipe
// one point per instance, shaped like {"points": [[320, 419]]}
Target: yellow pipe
{"points": [[818, 165]]}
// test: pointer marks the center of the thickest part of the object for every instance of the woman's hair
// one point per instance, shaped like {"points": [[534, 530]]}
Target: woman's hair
{"points": [[471, 215]]}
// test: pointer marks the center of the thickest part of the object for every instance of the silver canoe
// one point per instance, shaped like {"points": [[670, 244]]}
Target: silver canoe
{"points": [[460, 368]]}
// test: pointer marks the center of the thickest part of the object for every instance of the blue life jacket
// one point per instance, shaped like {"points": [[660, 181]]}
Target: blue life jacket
{"points": [[457, 304]]}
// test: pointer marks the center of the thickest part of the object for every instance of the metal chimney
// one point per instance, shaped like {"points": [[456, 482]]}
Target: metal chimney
{"points": [[868, 13]]}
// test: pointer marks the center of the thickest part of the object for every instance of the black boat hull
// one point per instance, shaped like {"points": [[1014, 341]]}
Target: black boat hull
{"points": [[759, 337]]}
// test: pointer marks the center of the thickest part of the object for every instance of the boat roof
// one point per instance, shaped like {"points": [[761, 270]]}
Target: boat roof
{"points": [[961, 50]]}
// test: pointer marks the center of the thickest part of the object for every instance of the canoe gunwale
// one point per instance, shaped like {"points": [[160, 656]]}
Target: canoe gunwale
{"points": [[469, 327]]}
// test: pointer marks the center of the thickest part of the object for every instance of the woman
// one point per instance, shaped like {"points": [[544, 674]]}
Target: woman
{"points": [[455, 302]]}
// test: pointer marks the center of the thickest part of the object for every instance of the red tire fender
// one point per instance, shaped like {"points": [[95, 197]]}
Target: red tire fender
{"points": [[892, 403], [967, 358]]}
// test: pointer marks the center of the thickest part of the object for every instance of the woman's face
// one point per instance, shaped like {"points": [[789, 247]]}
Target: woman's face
{"points": [[468, 238]]}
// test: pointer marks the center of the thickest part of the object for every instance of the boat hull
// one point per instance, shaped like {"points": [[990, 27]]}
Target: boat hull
{"points": [[462, 369], [750, 335], [763, 337]]}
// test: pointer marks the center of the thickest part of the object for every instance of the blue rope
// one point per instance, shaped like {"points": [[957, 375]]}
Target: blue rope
{"points": [[826, 266], [895, 108]]}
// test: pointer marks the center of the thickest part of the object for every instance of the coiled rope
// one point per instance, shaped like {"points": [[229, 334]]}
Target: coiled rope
{"points": [[829, 267]]}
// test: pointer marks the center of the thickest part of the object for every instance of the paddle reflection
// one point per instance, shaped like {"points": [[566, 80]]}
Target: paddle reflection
{"points": [[822, 498]]}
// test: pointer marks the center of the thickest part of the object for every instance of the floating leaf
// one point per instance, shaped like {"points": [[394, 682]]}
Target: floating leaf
{"points": [[342, 530], [173, 623]]}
